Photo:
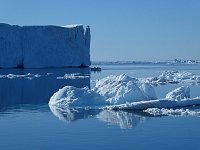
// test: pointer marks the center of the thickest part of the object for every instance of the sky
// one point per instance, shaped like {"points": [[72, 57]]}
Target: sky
{"points": [[126, 30]]}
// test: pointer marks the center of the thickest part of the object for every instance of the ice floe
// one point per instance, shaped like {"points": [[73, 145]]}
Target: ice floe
{"points": [[74, 76], [28, 76], [121, 93], [172, 112], [160, 103], [173, 77]]}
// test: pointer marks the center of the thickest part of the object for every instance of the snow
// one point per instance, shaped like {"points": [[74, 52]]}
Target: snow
{"points": [[180, 93], [159, 103], [70, 96], [110, 90], [172, 112], [44, 46], [119, 89], [174, 77]]}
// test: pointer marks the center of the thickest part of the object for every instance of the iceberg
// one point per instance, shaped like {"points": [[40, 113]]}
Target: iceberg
{"points": [[110, 90], [121, 92], [44, 46], [70, 96]]}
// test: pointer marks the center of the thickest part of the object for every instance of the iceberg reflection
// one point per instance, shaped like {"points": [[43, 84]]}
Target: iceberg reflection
{"points": [[123, 119], [70, 115], [36, 86]]}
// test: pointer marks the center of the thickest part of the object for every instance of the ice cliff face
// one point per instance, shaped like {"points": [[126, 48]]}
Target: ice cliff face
{"points": [[44, 46]]}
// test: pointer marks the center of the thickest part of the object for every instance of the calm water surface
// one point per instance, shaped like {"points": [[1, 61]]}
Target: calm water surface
{"points": [[27, 122]]}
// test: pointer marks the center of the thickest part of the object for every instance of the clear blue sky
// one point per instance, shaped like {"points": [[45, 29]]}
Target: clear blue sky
{"points": [[121, 29]]}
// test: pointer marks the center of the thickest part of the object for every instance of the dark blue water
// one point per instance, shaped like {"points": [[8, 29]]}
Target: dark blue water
{"points": [[27, 122]]}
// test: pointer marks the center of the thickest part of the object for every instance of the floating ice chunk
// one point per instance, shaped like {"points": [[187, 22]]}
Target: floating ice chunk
{"points": [[180, 93], [149, 91], [174, 77], [28, 76], [172, 112], [110, 90], [74, 76], [119, 89], [70, 96]]}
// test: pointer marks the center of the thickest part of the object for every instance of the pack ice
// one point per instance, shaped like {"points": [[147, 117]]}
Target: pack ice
{"points": [[121, 93], [44, 46]]}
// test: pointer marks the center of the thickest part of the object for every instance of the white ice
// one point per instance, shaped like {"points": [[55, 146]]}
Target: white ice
{"points": [[70, 96], [180, 93], [28, 76], [173, 77], [123, 88], [110, 90], [74, 76], [172, 112], [121, 93]]}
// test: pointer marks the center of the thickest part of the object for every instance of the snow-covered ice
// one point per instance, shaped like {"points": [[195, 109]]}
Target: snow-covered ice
{"points": [[172, 112], [74, 76], [110, 90], [44, 46], [121, 93], [70, 96], [173, 77], [123, 88], [180, 93], [159, 103]]}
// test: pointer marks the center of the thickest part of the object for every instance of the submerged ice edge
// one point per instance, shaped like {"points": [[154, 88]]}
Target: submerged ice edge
{"points": [[160, 103]]}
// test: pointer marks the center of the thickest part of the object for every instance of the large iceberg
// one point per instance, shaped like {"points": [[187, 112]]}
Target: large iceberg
{"points": [[44, 46]]}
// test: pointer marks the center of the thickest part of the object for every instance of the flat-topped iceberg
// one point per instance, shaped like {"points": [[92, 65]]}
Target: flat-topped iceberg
{"points": [[44, 46]]}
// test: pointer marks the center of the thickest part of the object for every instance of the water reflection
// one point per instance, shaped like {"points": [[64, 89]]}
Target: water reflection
{"points": [[123, 119], [20, 90], [70, 115]]}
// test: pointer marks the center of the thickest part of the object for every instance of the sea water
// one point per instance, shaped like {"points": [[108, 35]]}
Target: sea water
{"points": [[27, 122]]}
